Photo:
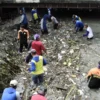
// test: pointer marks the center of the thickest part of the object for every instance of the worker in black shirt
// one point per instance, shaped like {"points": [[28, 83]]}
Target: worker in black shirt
{"points": [[23, 36]]}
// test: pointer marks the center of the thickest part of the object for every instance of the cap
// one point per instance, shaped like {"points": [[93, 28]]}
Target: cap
{"points": [[32, 51], [13, 82], [42, 90], [36, 36]]}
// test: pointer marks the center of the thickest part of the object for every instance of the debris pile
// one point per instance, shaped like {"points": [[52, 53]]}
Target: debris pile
{"points": [[9, 57]]}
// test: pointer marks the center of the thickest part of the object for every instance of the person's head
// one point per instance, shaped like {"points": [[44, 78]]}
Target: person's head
{"points": [[99, 64], [13, 83], [86, 25], [37, 37], [42, 90], [73, 16], [33, 52], [21, 11], [22, 27]]}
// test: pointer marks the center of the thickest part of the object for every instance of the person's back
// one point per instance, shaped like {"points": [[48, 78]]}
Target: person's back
{"points": [[38, 46], [79, 24], [90, 32], [94, 71], [9, 94], [38, 97], [94, 78]]}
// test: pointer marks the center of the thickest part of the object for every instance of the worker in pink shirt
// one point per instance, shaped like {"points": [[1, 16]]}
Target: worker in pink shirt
{"points": [[41, 91]]}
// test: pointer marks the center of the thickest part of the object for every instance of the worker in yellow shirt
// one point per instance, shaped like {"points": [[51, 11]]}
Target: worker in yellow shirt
{"points": [[35, 15]]}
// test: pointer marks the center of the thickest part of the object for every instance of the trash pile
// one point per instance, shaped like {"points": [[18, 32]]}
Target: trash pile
{"points": [[8, 57], [63, 56]]}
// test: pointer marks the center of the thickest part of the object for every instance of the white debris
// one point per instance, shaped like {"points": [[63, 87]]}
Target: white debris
{"points": [[81, 92], [59, 57], [63, 52], [71, 51]]}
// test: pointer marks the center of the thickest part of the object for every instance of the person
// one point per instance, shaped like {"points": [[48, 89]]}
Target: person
{"points": [[49, 11], [94, 77], [37, 45], [23, 36], [55, 22], [75, 17], [34, 15], [10, 93], [36, 68], [43, 23], [23, 19], [40, 95], [89, 32], [79, 26]]}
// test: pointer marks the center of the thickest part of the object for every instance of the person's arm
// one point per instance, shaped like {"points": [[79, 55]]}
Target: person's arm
{"points": [[18, 35], [32, 68], [44, 62], [22, 18], [18, 96], [43, 48], [27, 34], [86, 34]]}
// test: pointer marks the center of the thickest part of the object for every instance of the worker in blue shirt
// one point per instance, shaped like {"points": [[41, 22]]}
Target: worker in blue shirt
{"points": [[36, 68], [79, 26], [10, 93], [44, 29], [23, 19]]}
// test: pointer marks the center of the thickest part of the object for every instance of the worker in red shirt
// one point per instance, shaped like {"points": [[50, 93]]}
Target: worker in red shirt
{"points": [[41, 91], [37, 45]]}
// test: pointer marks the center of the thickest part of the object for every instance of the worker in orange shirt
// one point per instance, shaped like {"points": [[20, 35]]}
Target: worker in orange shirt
{"points": [[23, 36], [94, 77]]}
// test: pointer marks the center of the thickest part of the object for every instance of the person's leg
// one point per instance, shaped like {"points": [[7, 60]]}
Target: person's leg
{"points": [[35, 79], [89, 38], [81, 29], [34, 21], [26, 45], [41, 79], [55, 26], [21, 47], [26, 26], [94, 83], [46, 31]]}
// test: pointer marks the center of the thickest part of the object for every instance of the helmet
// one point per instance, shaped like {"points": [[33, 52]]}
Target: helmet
{"points": [[13, 82]]}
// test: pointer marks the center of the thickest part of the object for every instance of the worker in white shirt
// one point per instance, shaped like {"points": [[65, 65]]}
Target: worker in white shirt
{"points": [[89, 32], [55, 22]]}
